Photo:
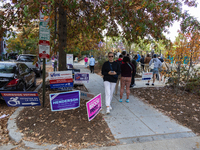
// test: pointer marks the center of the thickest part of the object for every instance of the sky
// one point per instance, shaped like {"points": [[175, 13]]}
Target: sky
{"points": [[193, 11]]}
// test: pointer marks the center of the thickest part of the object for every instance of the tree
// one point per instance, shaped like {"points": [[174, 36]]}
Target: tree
{"points": [[137, 18]]}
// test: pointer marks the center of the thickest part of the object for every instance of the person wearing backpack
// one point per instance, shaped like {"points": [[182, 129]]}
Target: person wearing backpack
{"points": [[154, 64], [119, 61]]}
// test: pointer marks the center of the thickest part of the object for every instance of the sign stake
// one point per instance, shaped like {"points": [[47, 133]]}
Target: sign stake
{"points": [[44, 74]]}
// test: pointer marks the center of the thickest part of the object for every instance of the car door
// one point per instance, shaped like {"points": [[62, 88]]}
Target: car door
{"points": [[29, 75]]}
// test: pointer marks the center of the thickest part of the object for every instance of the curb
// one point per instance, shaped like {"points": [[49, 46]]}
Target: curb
{"points": [[17, 136]]}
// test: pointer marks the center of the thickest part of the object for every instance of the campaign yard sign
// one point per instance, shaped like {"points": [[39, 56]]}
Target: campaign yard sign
{"points": [[60, 79], [17, 99], [147, 75], [81, 77], [86, 95], [93, 107], [65, 100]]}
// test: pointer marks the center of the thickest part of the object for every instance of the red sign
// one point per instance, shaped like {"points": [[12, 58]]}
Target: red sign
{"points": [[61, 81], [44, 49], [43, 55], [42, 42]]}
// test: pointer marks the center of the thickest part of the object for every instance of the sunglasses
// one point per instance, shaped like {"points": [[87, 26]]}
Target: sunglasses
{"points": [[110, 56]]}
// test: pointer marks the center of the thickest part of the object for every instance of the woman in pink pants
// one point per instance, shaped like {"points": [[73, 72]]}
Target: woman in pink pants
{"points": [[127, 69]]}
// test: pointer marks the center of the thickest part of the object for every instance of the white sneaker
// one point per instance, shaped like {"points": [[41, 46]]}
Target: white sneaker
{"points": [[108, 110]]}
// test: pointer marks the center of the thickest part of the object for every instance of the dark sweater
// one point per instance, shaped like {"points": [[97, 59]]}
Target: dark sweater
{"points": [[126, 70], [106, 68]]}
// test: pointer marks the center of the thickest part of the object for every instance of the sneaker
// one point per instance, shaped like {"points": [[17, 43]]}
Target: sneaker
{"points": [[127, 100], [131, 86], [108, 110], [134, 84], [152, 84], [120, 100], [147, 84]]}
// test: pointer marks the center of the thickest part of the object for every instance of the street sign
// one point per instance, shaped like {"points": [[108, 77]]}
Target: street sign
{"points": [[45, 8], [44, 49], [81, 77], [17, 99], [147, 75], [65, 100], [93, 107], [44, 31]]}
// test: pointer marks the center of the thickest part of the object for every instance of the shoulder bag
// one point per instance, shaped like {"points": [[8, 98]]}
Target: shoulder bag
{"points": [[115, 76]]}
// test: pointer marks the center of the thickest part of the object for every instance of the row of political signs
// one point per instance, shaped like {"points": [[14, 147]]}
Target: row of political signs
{"points": [[58, 101]]}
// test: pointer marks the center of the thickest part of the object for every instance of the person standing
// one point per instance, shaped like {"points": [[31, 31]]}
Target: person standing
{"points": [[142, 62], [146, 62], [119, 61], [110, 72], [86, 61], [138, 58], [92, 63], [134, 62], [127, 69], [157, 64], [118, 53]]}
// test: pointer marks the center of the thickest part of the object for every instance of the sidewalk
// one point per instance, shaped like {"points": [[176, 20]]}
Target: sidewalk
{"points": [[137, 122]]}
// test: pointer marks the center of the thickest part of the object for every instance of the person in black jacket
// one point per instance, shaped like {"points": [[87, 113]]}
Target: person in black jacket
{"points": [[142, 62], [110, 71]]}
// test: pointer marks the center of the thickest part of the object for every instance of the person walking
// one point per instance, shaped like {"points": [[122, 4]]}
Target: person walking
{"points": [[110, 72], [134, 62], [119, 61], [138, 58], [86, 61], [127, 69], [142, 62], [118, 53], [92, 63], [146, 62], [156, 65]]}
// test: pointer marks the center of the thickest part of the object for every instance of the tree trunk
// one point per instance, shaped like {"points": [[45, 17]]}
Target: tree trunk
{"points": [[62, 37]]}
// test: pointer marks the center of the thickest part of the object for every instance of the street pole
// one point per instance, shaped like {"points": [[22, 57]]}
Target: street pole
{"points": [[44, 74]]}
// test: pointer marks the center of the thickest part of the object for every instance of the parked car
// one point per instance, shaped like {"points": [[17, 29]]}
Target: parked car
{"points": [[15, 76], [32, 61]]}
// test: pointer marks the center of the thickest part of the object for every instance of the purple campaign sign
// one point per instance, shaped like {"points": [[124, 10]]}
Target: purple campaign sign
{"points": [[81, 77], [65, 100], [93, 107]]}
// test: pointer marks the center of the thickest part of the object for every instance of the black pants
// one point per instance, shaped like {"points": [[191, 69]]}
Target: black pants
{"points": [[133, 79], [92, 69]]}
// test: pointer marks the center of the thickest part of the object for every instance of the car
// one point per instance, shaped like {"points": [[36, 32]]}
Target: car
{"points": [[32, 61], [16, 76]]}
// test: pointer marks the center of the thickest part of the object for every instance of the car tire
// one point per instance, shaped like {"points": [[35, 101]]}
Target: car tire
{"points": [[34, 83]]}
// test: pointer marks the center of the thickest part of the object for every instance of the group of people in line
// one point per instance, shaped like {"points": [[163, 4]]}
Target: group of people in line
{"points": [[123, 71]]}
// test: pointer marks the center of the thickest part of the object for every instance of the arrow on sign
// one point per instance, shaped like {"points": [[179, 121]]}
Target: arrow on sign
{"points": [[32, 103]]}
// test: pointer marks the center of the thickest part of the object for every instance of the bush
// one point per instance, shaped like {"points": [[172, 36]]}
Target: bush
{"points": [[101, 62]]}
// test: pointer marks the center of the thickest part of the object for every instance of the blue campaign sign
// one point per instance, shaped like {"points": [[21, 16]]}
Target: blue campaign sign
{"points": [[65, 100], [17, 99], [61, 85]]}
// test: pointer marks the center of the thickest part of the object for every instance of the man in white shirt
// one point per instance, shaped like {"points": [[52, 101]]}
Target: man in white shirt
{"points": [[118, 53]]}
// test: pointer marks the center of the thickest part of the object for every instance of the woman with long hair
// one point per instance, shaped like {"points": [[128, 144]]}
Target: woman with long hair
{"points": [[127, 69], [110, 72]]}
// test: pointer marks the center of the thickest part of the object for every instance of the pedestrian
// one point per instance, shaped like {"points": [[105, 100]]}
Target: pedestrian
{"points": [[156, 64], [138, 59], [142, 62], [146, 62], [55, 64], [118, 53], [124, 53], [127, 69], [86, 61], [92, 63], [119, 61], [134, 62], [163, 71], [110, 72]]}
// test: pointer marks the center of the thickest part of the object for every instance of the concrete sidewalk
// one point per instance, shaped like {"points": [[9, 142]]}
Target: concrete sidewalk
{"points": [[137, 122]]}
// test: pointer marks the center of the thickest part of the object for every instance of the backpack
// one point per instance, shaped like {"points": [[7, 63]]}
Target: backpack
{"points": [[119, 62]]}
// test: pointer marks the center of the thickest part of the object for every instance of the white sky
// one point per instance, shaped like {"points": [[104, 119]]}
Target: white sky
{"points": [[193, 11]]}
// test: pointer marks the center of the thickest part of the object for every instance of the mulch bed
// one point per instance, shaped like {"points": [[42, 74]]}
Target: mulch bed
{"points": [[183, 107], [70, 128]]}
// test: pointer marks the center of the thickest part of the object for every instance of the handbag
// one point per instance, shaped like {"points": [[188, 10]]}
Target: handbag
{"points": [[115, 76], [152, 65]]}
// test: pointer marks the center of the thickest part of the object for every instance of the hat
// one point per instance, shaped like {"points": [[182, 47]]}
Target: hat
{"points": [[154, 55], [91, 55]]}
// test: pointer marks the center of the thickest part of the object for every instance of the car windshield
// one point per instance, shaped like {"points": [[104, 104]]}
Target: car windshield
{"points": [[27, 58], [7, 68]]}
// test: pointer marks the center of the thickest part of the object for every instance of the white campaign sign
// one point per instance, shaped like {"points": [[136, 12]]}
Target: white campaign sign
{"points": [[60, 75], [147, 75], [70, 59]]}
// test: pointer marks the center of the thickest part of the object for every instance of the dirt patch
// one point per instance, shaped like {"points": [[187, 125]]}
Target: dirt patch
{"points": [[69, 127], [183, 107]]}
